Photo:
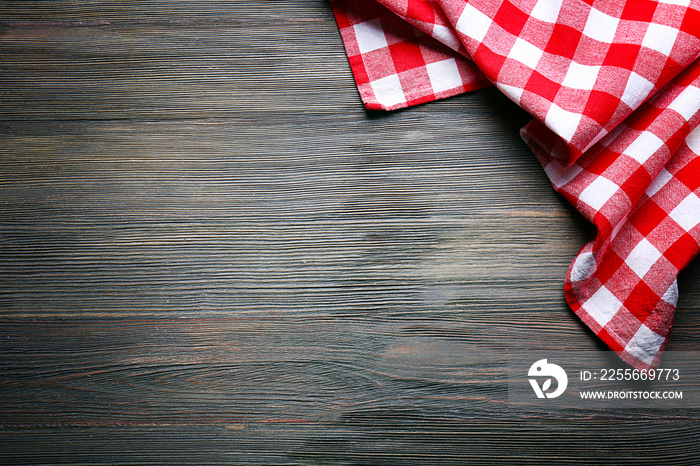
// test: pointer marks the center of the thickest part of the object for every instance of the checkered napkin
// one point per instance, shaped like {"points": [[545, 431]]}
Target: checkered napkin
{"points": [[614, 89]]}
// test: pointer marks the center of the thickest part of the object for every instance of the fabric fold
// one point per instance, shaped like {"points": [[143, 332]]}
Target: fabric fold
{"points": [[614, 89], [396, 65]]}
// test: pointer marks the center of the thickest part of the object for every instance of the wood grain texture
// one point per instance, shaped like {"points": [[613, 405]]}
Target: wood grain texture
{"points": [[210, 253]]}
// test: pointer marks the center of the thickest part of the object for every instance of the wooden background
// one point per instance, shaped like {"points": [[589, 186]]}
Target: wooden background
{"points": [[210, 253]]}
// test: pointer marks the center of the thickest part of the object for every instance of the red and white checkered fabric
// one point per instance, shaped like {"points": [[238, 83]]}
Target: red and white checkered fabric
{"points": [[397, 65], [615, 91]]}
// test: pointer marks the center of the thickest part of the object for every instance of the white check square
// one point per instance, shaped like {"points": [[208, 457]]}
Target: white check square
{"points": [[583, 267], [370, 36], [546, 10], [644, 146], [636, 90], [660, 38], [446, 36], [525, 53], [687, 103], [687, 213], [444, 75], [562, 122], [388, 90], [598, 192], [600, 26], [602, 306], [473, 23], [645, 344], [671, 295], [642, 258], [581, 76]]}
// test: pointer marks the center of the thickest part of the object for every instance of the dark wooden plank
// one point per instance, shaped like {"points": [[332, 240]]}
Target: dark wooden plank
{"points": [[237, 219], [593, 441], [210, 253], [162, 61], [251, 370]]}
